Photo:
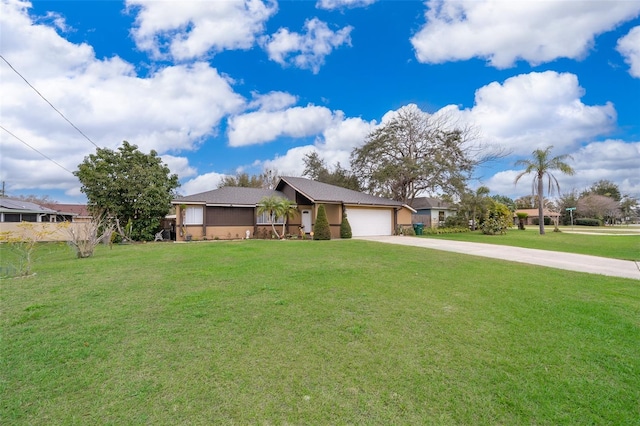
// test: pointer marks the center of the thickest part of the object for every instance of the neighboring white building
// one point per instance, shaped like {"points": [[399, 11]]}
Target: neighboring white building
{"points": [[432, 211]]}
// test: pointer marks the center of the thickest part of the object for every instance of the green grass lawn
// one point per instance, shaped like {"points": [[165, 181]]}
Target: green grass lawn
{"points": [[314, 332], [625, 247]]}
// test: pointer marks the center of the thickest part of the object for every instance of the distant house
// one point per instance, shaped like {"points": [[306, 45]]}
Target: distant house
{"points": [[51, 219], [533, 216], [70, 212], [230, 212], [13, 210], [432, 211]]}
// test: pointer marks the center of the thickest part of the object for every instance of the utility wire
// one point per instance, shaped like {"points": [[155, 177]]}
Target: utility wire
{"points": [[47, 101], [48, 158]]}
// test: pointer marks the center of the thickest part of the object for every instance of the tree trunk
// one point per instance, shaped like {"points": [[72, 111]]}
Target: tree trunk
{"points": [[273, 226], [541, 204], [473, 219]]}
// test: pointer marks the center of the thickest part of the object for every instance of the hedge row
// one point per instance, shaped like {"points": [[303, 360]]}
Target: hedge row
{"points": [[439, 231], [588, 222]]}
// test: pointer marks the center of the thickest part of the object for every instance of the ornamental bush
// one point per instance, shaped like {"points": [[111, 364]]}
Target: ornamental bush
{"points": [[321, 230], [405, 230], [457, 221], [497, 219], [446, 230], [536, 220], [345, 227]]}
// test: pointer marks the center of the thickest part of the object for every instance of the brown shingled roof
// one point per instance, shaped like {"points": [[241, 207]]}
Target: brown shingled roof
{"points": [[319, 192], [70, 209], [229, 195]]}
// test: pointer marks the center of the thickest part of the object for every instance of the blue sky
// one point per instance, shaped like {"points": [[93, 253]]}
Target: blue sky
{"points": [[218, 87]]}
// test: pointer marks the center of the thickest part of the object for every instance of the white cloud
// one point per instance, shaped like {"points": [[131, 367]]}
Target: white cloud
{"points": [[612, 160], [264, 126], [503, 32], [629, 47], [290, 164], [308, 50], [202, 183], [535, 110], [192, 29], [334, 145], [338, 4], [57, 20], [179, 166], [272, 101], [170, 110], [344, 134]]}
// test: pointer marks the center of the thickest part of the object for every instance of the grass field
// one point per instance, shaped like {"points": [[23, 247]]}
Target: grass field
{"points": [[314, 332], [625, 247]]}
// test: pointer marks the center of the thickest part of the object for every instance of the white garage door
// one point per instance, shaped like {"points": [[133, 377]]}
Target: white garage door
{"points": [[370, 222]]}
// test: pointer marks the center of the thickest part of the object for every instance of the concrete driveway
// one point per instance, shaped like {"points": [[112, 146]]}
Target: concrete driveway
{"points": [[551, 259]]}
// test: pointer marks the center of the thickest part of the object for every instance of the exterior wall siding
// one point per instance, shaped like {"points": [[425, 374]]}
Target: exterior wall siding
{"points": [[230, 216]]}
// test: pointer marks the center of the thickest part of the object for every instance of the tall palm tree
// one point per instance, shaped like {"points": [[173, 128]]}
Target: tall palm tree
{"points": [[271, 206], [541, 165]]}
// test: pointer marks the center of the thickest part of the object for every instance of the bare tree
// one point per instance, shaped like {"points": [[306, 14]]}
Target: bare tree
{"points": [[598, 207], [85, 236], [416, 152]]}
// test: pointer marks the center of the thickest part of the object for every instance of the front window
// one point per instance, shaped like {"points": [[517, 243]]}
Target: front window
{"points": [[263, 219], [12, 217], [193, 216], [29, 217]]}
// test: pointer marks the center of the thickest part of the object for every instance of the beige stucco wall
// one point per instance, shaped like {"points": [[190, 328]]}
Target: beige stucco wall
{"points": [[43, 231], [334, 213], [404, 216]]}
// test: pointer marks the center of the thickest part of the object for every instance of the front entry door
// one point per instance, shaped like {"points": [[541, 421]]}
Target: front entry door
{"points": [[306, 221]]}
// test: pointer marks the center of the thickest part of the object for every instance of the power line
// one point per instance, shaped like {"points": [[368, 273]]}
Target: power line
{"points": [[47, 101], [48, 158]]}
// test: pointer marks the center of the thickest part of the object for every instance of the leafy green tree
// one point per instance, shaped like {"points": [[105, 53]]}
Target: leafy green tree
{"points": [[564, 202], [128, 185], [415, 152], [475, 203], [541, 165], [316, 169], [506, 201], [606, 188], [526, 202], [345, 226], [629, 208], [321, 229]]}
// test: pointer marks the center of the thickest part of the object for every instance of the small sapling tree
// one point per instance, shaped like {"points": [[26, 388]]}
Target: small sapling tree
{"points": [[522, 217], [85, 236], [22, 246]]}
